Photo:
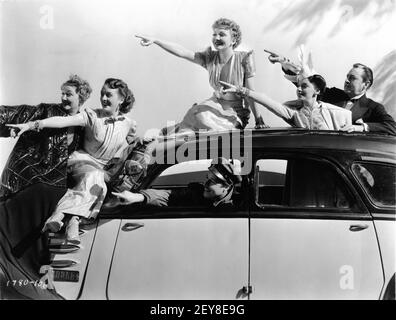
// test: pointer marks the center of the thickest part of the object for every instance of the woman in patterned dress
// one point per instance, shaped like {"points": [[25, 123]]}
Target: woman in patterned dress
{"points": [[106, 134], [222, 111]]}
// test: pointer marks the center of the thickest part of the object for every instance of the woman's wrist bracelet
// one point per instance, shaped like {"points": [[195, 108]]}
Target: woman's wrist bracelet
{"points": [[243, 92], [35, 125]]}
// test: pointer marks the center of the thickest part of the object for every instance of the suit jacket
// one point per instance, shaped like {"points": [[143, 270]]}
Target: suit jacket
{"points": [[37, 156], [335, 116], [372, 113]]}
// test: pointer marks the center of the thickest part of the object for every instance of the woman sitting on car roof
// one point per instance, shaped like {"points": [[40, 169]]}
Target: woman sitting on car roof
{"points": [[306, 112]]}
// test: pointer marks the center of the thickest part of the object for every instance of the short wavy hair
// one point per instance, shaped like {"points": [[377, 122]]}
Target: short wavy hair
{"points": [[368, 75], [228, 24], [82, 86], [124, 91]]}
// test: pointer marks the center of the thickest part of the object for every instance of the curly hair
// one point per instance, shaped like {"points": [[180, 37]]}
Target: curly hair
{"points": [[82, 86], [228, 24], [124, 91]]}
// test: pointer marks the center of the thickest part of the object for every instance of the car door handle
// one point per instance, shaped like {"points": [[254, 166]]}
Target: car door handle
{"points": [[130, 226], [358, 227]]}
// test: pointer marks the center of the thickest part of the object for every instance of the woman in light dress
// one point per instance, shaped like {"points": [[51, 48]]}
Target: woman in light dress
{"points": [[107, 131], [305, 112], [222, 111]]}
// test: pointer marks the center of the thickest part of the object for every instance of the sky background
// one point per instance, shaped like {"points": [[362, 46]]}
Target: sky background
{"points": [[43, 42]]}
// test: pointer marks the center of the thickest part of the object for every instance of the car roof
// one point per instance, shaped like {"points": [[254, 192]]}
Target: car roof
{"points": [[292, 138]]}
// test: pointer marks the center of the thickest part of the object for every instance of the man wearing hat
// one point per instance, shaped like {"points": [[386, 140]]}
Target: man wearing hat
{"points": [[218, 190]]}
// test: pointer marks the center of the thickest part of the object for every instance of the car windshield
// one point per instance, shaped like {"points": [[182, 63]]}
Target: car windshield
{"points": [[379, 182]]}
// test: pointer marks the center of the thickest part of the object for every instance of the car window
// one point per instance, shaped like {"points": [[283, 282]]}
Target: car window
{"points": [[379, 181], [300, 183], [181, 174], [189, 177]]}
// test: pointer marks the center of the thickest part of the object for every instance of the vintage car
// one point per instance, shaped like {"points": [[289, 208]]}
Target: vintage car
{"points": [[316, 221]]}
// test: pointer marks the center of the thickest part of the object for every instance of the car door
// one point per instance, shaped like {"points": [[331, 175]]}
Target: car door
{"points": [[376, 177], [311, 236], [180, 252]]}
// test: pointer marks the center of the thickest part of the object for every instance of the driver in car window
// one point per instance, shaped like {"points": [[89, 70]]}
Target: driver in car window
{"points": [[218, 190]]}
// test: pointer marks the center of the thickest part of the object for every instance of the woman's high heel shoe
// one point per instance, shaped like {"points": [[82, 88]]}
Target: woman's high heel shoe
{"points": [[54, 223]]}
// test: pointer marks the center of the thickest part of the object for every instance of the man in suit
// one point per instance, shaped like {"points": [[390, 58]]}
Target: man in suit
{"points": [[367, 114]]}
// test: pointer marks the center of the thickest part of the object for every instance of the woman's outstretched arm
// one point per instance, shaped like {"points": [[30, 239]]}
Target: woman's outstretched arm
{"points": [[54, 122], [259, 122], [272, 105], [173, 48]]}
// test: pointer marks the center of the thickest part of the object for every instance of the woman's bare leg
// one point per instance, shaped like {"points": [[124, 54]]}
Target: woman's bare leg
{"points": [[72, 230]]}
